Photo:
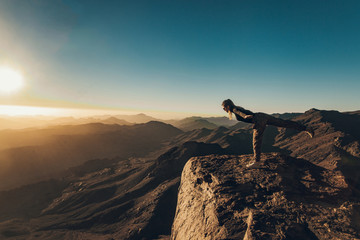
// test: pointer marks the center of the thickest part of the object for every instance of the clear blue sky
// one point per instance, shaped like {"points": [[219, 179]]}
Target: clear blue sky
{"points": [[184, 56]]}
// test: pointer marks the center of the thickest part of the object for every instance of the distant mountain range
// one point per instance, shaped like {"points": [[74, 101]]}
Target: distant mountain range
{"points": [[103, 181], [31, 155], [184, 124]]}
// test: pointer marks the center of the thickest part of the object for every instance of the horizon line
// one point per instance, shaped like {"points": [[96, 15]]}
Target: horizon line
{"points": [[46, 111]]}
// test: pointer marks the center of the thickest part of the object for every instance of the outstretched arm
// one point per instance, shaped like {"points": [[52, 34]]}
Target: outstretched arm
{"points": [[242, 112]]}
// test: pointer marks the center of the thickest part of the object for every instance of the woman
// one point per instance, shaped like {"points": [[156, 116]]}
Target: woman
{"points": [[260, 120]]}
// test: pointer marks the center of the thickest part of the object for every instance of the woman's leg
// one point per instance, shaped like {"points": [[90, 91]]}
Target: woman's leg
{"points": [[258, 133], [278, 122], [260, 121]]}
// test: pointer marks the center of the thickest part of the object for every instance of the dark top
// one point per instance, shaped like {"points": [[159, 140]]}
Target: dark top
{"points": [[240, 114]]}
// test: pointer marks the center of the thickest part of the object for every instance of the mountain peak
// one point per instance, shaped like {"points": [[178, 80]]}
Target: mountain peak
{"points": [[311, 110]]}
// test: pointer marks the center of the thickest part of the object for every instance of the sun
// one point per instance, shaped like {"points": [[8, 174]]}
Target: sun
{"points": [[10, 80]]}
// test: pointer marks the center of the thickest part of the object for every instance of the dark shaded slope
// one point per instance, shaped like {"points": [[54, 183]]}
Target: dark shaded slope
{"points": [[353, 112], [66, 146], [332, 130], [346, 123], [123, 198], [234, 141], [335, 146], [171, 163], [28, 201]]}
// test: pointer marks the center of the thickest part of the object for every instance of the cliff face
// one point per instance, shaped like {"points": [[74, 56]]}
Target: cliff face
{"points": [[281, 198]]}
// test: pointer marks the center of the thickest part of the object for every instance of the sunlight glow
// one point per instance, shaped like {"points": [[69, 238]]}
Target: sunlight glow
{"points": [[16, 110], [10, 80], [33, 111], [28, 111]]}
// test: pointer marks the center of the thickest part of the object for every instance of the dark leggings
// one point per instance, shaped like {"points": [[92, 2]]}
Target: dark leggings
{"points": [[260, 122]]}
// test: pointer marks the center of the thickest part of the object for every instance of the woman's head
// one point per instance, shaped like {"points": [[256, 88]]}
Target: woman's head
{"points": [[228, 106]]}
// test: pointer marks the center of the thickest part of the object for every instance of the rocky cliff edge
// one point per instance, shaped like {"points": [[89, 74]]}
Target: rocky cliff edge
{"points": [[281, 198]]}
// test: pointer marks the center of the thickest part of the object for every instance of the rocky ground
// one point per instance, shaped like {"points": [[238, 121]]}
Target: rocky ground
{"points": [[279, 198]]}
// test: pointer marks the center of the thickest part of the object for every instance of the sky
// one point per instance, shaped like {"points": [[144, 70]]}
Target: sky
{"points": [[183, 57]]}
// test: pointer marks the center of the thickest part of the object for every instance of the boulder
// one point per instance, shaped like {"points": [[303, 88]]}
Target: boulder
{"points": [[280, 197]]}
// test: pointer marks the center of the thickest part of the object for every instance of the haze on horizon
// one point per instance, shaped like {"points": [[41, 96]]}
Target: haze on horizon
{"points": [[35, 112], [176, 58]]}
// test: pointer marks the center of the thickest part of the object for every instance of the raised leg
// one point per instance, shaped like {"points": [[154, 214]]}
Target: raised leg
{"points": [[278, 122]]}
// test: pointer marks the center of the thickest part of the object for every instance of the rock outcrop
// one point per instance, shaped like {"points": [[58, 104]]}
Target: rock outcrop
{"points": [[279, 198]]}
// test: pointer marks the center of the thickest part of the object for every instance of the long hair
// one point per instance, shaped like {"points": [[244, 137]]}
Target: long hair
{"points": [[230, 104], [230, 115]]}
